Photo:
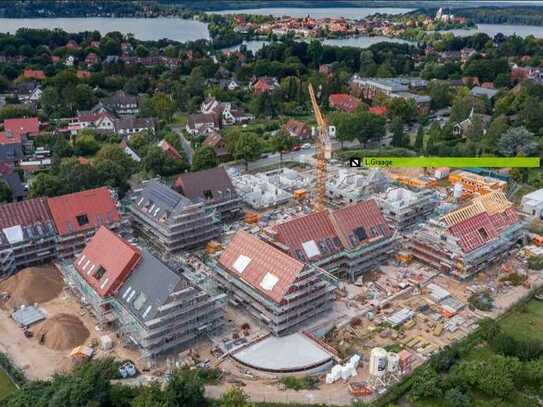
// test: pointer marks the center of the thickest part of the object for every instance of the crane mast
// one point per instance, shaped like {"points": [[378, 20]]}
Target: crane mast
{"points": [[321, 140]]}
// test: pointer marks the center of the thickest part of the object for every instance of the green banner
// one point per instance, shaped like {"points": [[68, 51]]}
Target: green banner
{"points": [[451, 162]]}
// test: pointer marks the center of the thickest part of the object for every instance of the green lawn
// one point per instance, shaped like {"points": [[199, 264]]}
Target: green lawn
{"points": [[527, 325], [6, 386]]}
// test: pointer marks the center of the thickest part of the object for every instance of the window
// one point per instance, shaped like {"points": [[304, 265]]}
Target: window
{"points": [[99, 273], [208, 194], [360, 234], [483, 233], [82, 219]]}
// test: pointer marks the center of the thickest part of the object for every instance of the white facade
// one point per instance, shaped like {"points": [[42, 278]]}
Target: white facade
{"points": [[532, 203]]}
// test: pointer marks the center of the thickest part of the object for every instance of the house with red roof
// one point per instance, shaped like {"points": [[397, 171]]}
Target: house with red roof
{"points": [[297, 129], [345, 242], [279, 291], [142, 298], [470, 238], [33, 74], [344, 102], [378, 110], [265, 85], [170, 150], [27, 235], [77, 216], [22, 127]]}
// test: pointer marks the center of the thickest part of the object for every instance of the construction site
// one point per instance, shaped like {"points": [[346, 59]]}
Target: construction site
{"points": [[350, 276]]}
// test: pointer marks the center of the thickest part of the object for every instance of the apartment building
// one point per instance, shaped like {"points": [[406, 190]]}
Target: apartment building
{"points": [[155, 309], [345, 242], [470, 238], [77, 216], [170, 221], [27, 237], [404, 208], [275, 288]]}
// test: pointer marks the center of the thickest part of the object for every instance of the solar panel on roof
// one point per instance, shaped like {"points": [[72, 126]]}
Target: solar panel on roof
{"points": [[269, 281]]}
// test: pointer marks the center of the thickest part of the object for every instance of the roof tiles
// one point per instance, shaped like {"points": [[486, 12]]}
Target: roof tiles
{"points": [[260, 265]]}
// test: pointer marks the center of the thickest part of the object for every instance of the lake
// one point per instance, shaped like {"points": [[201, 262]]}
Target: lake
{"points": [[147, 29], [493, 29], [347, 12]]}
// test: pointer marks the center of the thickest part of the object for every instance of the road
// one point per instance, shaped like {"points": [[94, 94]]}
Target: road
{"points": [[275, 159]]}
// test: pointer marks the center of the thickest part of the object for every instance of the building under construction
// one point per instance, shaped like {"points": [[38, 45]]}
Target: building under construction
{"points": [[282, 292], [27, 235], [404, 208], [345, 242], [470, 238], [154, 308], [170, 221]]}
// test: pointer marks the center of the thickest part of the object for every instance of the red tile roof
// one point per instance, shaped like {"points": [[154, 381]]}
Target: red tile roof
{"points": [[10, 138], [363, 214], [17, 127], [170, 150], [474, 232], [344, 102], [315, 227], [264, 265], [378, 110], [24, 213], [95, 204], [32, 74], [106, 262], [334, 231]]}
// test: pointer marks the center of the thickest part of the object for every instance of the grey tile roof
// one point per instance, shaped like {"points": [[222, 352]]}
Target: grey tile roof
{"points": [[148, 287]]}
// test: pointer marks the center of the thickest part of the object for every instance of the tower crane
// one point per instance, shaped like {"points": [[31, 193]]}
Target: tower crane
{"points": [[322, 140]]}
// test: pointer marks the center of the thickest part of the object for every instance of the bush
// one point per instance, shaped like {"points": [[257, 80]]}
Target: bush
{"points": [[14, 372], [514, 278], [481, 301], [535, 262], [303, 383]]}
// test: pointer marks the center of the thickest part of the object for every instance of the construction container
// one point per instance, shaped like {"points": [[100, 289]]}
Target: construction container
{"points": [[213, 247], [360, 389], [299, 194], [410, 324], [251, 218], [404, 257], [405, 359], [393, 362], [438, 330], [106, 343]]}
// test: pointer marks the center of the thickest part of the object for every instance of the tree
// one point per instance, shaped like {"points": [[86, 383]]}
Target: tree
{"points": [[402, 109], [44, 184], [247, 148], [5, 192], [497, 128], [282, 142], [204, 157], [186, 389], [489, 329], [86, 145], [156, 162], [150, 396], [235, 397], [61, 149], [455, 397], [517, 141], [398, 135], [425, 384], [419, 140], [440, 93]]}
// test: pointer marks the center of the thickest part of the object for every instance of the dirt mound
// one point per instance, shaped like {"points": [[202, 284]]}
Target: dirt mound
{"points": [[31, 285], [62, 332]]}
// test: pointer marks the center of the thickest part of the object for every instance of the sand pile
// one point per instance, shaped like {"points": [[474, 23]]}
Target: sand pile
{"points": [[31, 285], [62, 332]]}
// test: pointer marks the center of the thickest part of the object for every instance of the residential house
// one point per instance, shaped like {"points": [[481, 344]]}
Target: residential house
{"points": [[22, 127], [214, 188], [344, 102], [155, 308], [483, 92], [265, 85], [297, 129], [11, 148], [170, 221], [279, 291], [33, 74], [228, 114], [216, 141], [132, 125], [170, 150], [122, 103], [77, 216], [202, 123], [27, 235], [130, 151]]}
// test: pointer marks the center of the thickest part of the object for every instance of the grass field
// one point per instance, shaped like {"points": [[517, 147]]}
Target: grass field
{"points": [[6, 386], [525, 323]]}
